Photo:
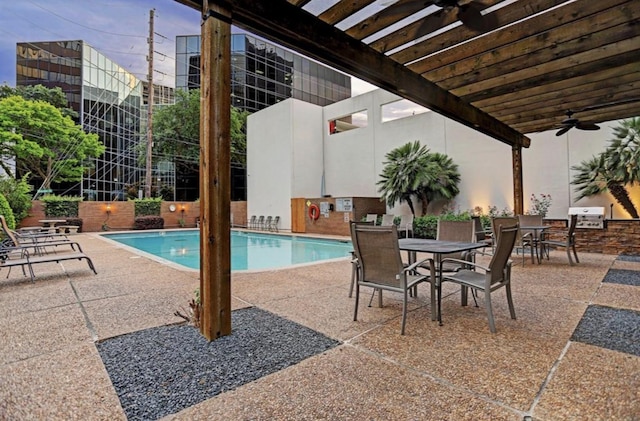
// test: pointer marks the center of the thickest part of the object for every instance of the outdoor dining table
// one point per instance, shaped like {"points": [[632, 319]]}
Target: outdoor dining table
{"points": [[437, 248], [537, 231]]}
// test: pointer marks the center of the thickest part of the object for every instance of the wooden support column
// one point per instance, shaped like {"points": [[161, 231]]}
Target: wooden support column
{"points": [[215, 172], [518, 199]]}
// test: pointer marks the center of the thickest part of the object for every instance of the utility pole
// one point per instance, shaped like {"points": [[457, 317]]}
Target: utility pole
{"points": [[148, 178]]}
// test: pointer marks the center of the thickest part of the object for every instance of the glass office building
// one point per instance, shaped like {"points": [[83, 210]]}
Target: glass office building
{"points": [[109, 101], [263, 73]]}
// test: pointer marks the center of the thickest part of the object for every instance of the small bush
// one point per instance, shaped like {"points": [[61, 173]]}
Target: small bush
{"points": [[6, 211], [148, 222]]}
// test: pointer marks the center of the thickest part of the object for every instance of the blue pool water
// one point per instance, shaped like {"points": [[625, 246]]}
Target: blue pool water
{"points": [[249, 251]]}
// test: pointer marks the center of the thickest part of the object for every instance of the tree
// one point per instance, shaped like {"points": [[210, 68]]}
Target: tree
{"points": [[18, 194], [53, 96], [176, 133], [412, 170], [614, 169], [43, 141]]}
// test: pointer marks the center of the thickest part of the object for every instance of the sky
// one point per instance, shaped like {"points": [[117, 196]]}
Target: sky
{"points": [[117, 28]]}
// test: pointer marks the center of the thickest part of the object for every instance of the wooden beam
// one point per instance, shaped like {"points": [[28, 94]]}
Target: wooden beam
{"points": [[518, 198], [215, 173], [299, 30]]}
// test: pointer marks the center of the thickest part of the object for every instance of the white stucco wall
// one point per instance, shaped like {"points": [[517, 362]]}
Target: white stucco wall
{"points": [[284, 144], [295, 135]]}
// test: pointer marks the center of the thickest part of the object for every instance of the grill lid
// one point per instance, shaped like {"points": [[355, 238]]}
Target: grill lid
{"points": [[587, 211]]}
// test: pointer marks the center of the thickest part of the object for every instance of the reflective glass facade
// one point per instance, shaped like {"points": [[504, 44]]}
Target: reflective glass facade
{"points": [[109, 101], [263, 73]]}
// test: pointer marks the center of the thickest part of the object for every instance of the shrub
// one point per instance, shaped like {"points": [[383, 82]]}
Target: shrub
{"points": [[6, 211], [18, 194], [540, 206], [148, 222], [146, 207], [61, 206]]}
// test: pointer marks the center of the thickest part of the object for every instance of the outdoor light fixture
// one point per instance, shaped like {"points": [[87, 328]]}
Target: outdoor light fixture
{"points": [[182, 208], [108, 208]]}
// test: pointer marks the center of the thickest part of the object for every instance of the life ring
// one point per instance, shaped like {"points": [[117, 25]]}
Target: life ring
{"points": [[314, 212]]}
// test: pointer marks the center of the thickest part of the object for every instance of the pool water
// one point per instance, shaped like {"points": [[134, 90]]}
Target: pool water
{"points": [[249, 251]]}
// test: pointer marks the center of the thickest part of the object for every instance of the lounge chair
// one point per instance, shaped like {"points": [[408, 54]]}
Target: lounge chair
{"points": [[259, 223], [267, 223], [251, 223], [20, 256], [38, 242]]}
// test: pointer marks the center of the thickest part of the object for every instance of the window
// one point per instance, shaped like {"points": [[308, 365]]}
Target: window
{"points": [[350, 122], [400, 109]]}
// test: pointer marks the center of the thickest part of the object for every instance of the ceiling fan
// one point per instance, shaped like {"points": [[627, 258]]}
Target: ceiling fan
{"points": [[469, 13], [570, 122]]}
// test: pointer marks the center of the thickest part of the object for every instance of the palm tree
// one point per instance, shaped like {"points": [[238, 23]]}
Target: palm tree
{"points": [[443, 184], [412, 170], [595, 177], [404, 173]]}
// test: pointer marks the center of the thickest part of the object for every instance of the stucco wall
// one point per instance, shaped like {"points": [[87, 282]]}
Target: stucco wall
{"points": [[354, 159]]}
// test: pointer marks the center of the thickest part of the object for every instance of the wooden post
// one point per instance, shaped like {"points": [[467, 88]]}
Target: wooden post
{"points": [[215, 172], [518, 200]]}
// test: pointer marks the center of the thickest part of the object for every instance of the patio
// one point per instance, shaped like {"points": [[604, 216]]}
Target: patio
{"points": [[535, 367]]}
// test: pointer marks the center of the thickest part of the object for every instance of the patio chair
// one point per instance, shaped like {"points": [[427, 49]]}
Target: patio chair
{"points": [[355, 265], [462, 231], [489, 278], [569, 243], [259, 223], [267, 223], [523, 240], [251, 223], [406, 225], [273, 226], [381, 265], [372, 217], [531, 221], [387, 220], [480, 232]]}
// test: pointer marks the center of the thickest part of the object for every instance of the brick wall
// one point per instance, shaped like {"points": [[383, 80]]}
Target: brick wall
{"points": [[618, 236], [122, 215]]}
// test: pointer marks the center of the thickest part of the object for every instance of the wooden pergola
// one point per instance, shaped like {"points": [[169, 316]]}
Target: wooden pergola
{"points": [[502, 67]]}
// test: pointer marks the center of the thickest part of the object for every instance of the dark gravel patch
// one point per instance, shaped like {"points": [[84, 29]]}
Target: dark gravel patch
{"points": [[160, 371], [623, 276], [611, 328], [628, 257]]}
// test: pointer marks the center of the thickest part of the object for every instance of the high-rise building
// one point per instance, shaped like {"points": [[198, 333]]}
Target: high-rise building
{"points": [[109, 101], [262, 74]]}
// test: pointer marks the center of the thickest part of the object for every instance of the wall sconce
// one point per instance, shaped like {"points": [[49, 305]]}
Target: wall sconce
{"points": [[108, 208], [183, 208]]}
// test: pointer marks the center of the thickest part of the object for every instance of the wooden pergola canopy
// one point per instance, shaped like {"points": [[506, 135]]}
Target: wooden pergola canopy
{"points": [[537, 59]]}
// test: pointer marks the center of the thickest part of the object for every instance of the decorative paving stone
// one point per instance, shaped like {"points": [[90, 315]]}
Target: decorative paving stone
{"points": [[160, 371], [623, 276], [611, 328], [628, 258]]}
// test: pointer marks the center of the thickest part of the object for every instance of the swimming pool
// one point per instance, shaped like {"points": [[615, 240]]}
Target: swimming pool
{"points": [[249, 251]]}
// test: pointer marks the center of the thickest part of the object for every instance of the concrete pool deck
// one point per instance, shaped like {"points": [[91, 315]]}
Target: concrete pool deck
{"points": [[541, 366]]}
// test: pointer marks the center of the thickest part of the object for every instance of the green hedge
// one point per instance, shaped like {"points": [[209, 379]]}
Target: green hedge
{"points": [[148, 207], [61, 206]]}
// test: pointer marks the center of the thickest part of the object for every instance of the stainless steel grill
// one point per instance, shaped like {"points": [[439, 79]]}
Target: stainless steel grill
{"points": [[589, 217]]}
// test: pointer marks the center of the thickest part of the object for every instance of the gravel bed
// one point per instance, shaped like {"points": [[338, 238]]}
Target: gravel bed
{"points": [[628, 258], [611, 328], [623, 276], [160, 371]]}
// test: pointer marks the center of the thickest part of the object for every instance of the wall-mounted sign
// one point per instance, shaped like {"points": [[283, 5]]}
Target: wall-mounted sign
{"points": [[344, 204], [324, 209]]}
